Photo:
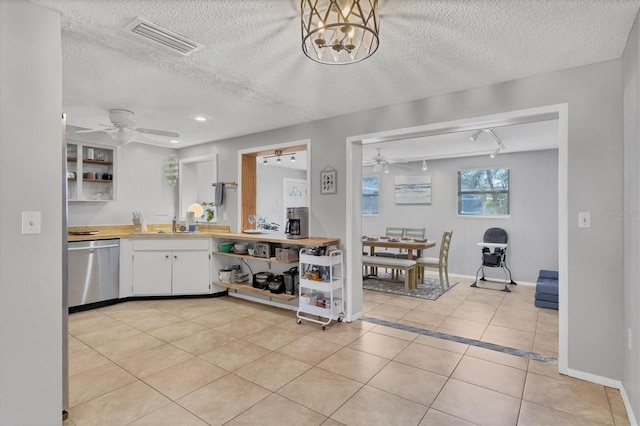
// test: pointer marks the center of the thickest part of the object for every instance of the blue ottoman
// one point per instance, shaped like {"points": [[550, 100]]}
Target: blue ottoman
{"points": [[547, 290]]}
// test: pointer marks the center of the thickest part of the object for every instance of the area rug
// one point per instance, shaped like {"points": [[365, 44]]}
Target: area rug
{"points": [[429, 289]]}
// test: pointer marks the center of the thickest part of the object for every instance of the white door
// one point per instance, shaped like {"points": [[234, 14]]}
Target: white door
{"points": [[294, 195]]}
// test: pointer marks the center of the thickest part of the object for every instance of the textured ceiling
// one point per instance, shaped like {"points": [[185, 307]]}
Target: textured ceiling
{"points": [[252, 75]]}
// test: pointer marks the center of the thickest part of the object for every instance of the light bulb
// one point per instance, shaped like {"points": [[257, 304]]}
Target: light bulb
{"points": [[386, 168], [293, 157], [265, 161], [424, 165], [278, 160]]}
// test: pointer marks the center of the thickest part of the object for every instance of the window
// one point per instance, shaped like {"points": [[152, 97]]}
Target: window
{"points": [[370, 191], [483, 192]]}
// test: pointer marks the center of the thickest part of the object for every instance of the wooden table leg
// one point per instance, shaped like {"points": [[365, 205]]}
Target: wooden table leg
{"points": [[413, 282]]}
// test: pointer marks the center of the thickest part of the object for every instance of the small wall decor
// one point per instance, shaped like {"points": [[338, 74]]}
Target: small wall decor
{"points": [[328, 181], [171, 169], [413, 189]]}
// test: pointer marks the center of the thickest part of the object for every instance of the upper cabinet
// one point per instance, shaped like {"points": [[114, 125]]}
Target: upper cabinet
{"points": [[91, 172]]}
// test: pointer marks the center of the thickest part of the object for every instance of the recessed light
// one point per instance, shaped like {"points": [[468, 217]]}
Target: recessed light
{"points": [[201, 117], [174, 141]]}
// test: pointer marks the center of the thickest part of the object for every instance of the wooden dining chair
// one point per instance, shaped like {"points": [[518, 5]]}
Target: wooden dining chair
{"points": [[411, 233], [441, 262], [391, 232]]}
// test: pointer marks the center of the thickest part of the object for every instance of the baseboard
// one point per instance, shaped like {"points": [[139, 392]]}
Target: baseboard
{"points": [[594, 378], [627, 405], [495, 280]]}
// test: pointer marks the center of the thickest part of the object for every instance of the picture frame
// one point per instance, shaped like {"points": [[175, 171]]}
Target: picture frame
{"points": [[413, 189], [328, 181]]}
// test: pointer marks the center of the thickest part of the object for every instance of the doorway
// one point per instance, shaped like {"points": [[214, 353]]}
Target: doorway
{"points": [[354, 199]]}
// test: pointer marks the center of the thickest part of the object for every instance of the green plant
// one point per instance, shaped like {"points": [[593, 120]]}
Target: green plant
{"points": [[209, 210]]}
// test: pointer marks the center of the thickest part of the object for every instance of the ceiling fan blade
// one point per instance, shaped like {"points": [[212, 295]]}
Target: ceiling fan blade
{"points": [[96, 130], [158, 133]]}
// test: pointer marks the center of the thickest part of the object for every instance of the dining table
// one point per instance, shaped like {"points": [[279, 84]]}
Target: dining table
{"points": [[404, 244], [409, 245]]}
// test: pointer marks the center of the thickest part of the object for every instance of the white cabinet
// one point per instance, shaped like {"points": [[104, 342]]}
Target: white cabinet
{"points": [[171, 266], [91, 172], [190, 272], [321, 288], [152, 272]]}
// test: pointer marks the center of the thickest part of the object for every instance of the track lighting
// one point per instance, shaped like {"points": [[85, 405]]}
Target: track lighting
{"points": [[494, 153], [424, 165], [278, 154], [474, 135]]}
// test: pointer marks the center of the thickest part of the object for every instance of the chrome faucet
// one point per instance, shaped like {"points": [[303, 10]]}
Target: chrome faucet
{"points": [[173, 226]]}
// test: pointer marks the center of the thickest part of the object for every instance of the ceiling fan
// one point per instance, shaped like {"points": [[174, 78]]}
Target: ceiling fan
{"points": [[123, 130], [380, 162]]}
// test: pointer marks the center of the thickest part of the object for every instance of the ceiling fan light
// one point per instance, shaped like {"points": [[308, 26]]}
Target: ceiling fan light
{"points": [[122, 135]]}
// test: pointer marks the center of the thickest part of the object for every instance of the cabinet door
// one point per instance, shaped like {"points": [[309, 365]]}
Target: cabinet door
{"points": [[190, 272], [151, 272]]}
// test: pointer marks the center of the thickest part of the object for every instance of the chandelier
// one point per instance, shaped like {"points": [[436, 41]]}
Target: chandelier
{"points": [[339, 31]]}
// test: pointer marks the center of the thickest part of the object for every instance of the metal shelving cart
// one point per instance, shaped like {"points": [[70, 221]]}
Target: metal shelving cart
{"points": [[321, 288]]}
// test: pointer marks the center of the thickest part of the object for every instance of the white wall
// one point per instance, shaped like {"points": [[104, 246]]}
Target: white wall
{"points": [[594, 98], [534, 203], [141, 186], [630, 215], [30, 180]]}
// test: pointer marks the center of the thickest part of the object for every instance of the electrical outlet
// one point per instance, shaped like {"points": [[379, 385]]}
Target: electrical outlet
{"points": [[629, 338]]}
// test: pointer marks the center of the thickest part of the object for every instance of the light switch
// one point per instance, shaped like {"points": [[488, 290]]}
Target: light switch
{"points": [[584, 220], [30, 223]]}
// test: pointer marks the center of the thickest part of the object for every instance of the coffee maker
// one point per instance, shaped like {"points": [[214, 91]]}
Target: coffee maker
{"points": [[297, 222]]}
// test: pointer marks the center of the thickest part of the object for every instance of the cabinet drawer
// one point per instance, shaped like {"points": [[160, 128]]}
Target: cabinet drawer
{"points": [[169, 244]]}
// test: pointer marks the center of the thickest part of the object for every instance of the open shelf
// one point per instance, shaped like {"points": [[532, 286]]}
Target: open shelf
{"points": [[246, 256], [247, 288], [98, 180], [106, 163]]}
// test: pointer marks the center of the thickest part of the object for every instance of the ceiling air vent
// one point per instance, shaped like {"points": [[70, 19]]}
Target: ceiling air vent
{"points": [[163, 36]]}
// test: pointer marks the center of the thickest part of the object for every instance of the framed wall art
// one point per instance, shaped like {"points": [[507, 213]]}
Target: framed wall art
{"points": [[328, 181], [413, 189]]}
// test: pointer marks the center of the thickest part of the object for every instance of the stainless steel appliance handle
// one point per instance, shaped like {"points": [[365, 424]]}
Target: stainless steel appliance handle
{"points": [[92, 248]]}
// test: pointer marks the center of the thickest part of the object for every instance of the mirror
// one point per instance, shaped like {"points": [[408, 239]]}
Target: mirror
{"points": [[195, 177]]}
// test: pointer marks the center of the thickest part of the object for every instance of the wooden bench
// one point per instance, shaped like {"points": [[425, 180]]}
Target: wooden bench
{"points": [[408, 266]]}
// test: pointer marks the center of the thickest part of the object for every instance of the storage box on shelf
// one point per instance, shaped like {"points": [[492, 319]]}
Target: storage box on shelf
{"points": [[321, 288], [91, 172]]}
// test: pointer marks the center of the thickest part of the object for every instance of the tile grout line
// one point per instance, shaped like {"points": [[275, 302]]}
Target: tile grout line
{"points": [[473, 342]]}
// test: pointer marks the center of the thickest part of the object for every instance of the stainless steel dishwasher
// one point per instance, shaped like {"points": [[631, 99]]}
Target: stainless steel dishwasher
{"points": [[94, 271]]}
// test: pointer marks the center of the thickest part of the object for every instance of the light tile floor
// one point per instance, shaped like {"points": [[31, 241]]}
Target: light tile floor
{"points": [[229, 361]]}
